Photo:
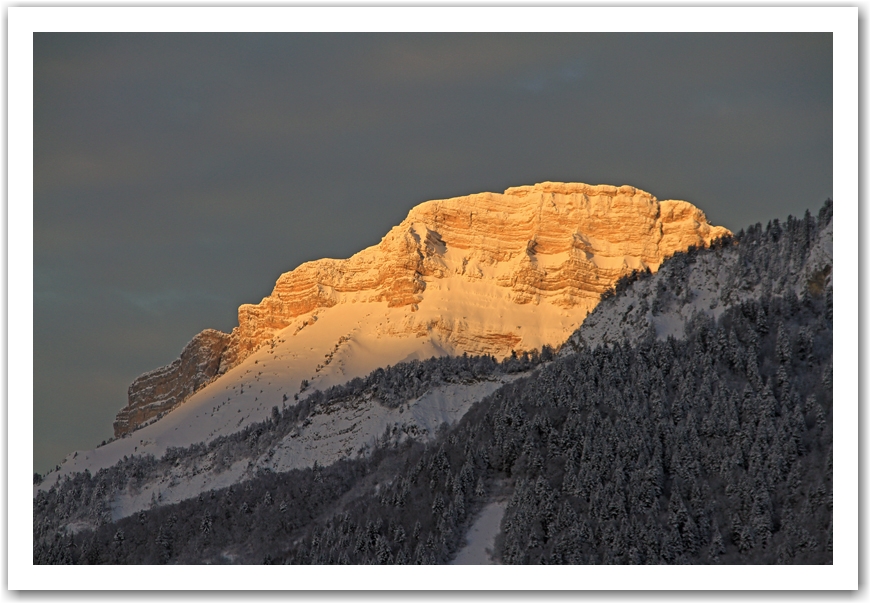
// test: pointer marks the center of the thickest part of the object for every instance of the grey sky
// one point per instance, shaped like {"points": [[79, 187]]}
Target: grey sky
{"points": [[177, 175]]}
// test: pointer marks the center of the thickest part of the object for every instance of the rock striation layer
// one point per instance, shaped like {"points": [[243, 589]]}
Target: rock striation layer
{"points": [[162, 389], [548, 248]]}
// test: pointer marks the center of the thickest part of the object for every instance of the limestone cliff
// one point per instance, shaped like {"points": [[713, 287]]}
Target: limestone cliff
{"points": [[525, 256], [162, 389]]}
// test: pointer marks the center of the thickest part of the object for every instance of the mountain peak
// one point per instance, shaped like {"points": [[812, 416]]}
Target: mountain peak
{"points": [[578, 188], [487, 273]]}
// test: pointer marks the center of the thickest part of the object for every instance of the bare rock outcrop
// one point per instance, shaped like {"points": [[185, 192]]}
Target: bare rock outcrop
{"points": [[561, 244], [161, 390]]}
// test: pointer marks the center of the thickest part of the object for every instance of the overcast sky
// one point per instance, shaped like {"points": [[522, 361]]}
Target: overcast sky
{"points": [[176, 176]]}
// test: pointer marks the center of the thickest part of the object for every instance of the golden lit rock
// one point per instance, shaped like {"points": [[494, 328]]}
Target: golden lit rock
{"points": [[484, 274], [161, 390]]}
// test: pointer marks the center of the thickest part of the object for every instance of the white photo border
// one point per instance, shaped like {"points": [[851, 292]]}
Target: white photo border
{"points": [[23, 21]]}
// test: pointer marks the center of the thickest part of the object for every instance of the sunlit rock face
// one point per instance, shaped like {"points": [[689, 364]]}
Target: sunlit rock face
{"points": [[161, 390], [553, 242], [484, 274]]}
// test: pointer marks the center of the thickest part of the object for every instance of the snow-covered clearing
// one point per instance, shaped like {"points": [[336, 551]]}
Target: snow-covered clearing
{"points": [[480, 538]]}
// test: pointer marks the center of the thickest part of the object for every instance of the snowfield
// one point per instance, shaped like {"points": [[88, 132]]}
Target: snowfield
{"points": [[480, 539]]}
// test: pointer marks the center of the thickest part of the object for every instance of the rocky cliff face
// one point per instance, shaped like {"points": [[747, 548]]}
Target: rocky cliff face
{"points": [[564, 243], [524, 257], [163, 389]]}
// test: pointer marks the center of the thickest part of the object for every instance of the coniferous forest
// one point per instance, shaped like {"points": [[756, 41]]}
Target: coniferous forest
{"points": [[712, 448]]}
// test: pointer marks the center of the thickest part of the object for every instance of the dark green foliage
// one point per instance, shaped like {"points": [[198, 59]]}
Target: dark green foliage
{"points": [[669, 454], [86, 500], [659, 453], [80, 498], [240, 524]]}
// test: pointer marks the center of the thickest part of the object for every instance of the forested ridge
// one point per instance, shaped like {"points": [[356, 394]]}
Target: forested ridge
{"points": [[85, 501], [712, 448]]}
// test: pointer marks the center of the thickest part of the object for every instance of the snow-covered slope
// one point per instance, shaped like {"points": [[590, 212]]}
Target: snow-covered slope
{"points": [[483, 274], [328, 351], [343, 430], [772, 286], [708, 283]]}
